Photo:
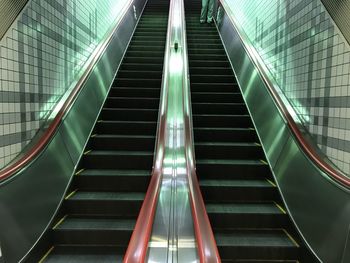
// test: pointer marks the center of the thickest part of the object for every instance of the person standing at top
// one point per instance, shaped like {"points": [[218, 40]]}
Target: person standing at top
{"points": [[207, 11]]}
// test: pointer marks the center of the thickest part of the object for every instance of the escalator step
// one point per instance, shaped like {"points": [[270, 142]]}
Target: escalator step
{"points": [[232, 169], [252, 244], [238, 190], [85, 254], [214, 63], [139, 74], [122, 142], [113, 180], [138, 82], [246, 215], [82, 202], [132, 102], [135, 92], [120, 114], [219, 108], [215, 97], [214, 87], [94, 231], [225, 135], [222, 121], [211, 70], [118, 160], [232, 150], [126, 127], [136, 66]]}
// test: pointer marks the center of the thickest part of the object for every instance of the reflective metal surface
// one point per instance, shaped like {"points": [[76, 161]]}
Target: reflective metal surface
{"points": [[29, 200], [319, 206], [173, 238]]}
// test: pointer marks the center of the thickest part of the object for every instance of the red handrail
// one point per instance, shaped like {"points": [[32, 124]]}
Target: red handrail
{"points": [[305, 145], [38, 147], [138, 244], [207, 247]]}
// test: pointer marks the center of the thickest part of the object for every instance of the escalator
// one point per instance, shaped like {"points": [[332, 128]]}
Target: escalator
{"points": [[97, 217], [247, 214]]}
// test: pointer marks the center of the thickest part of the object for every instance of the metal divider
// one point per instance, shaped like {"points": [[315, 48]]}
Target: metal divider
{"points": [[181, 230]]}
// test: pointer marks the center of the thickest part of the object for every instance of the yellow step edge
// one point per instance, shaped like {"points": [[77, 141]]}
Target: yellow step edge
{"points": [[264, 162], [257, 144], [280, 208], [272, 183], [79, 172], [88, 151], [70, 194], [291, 238], [94, 135], [59, 222], [46, 255]]}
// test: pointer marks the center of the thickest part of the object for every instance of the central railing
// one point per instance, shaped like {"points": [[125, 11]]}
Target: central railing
{"points": [[173, 201]]}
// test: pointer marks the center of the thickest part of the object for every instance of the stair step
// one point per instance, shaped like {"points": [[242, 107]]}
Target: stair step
{"points": [[224, 150], [138, 82], [132, 102], [113, 180], [208, 70], [94, 231], [140, 74], [225, 135], [219, 108], [118, 160], [246, 215], [120, 114], [143, 60], [214, 87], [86, 254], [135, 92], [137, 66], [126, 127], [232, 169], [238, 190], [122, 142], [121, 204], [256, 244], [221, 121]]}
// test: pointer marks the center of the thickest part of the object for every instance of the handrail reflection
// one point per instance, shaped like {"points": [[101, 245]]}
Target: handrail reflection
{"points": [[207, 248]]}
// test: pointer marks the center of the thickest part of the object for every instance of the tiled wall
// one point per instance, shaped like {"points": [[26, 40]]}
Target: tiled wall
{"points": [[310, 61], [40, 56]]}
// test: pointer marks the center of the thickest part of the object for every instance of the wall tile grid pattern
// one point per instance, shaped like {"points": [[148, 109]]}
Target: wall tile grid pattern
{"points": [[40, 56], [310, 61]]}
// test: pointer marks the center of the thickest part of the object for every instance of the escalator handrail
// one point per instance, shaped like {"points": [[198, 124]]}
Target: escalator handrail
{"points": [[30, 155], [333, 172], [138, 244], [207, 247]]}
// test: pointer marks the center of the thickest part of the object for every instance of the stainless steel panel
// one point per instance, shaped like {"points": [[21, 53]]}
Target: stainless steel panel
{"points": [[319, 207], [30, 199], [28, 202], [267, 120], [173, 238]]}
